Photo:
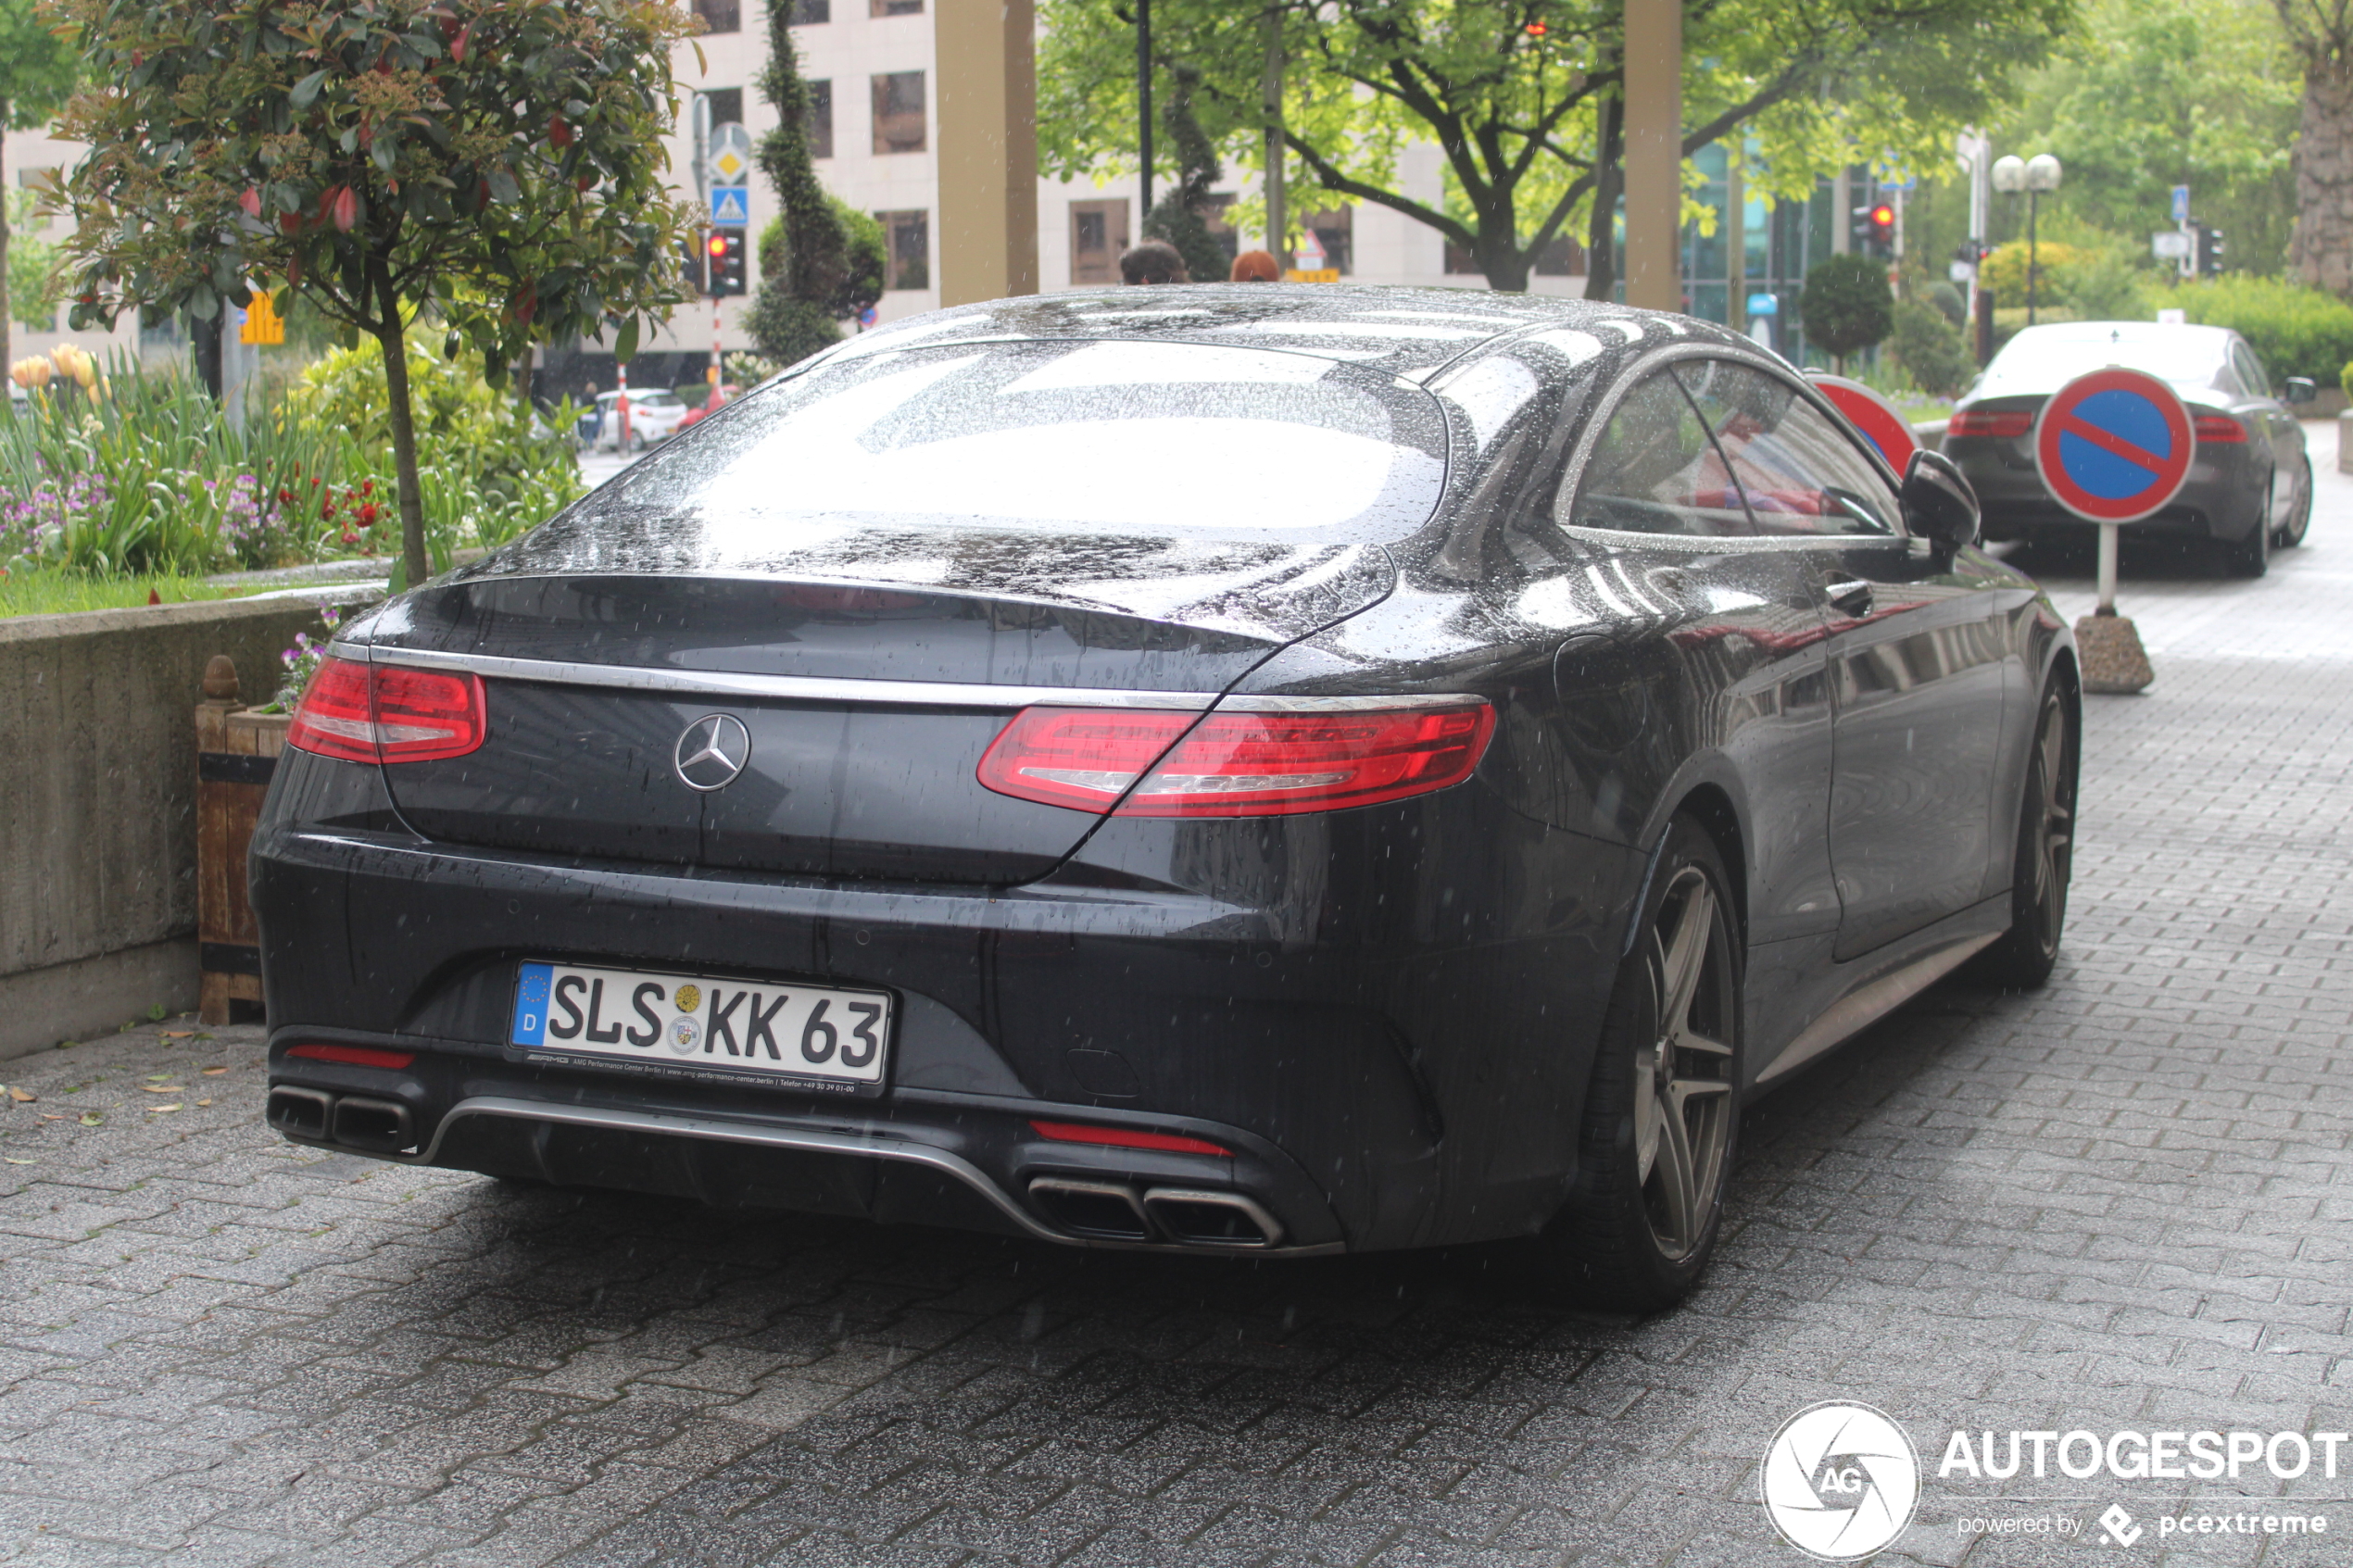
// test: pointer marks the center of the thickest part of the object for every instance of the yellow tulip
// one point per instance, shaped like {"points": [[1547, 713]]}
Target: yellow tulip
{"points": [[32, 373]]}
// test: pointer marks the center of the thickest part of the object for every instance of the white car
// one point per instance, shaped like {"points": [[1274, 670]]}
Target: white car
{"points": [[654, 415]]}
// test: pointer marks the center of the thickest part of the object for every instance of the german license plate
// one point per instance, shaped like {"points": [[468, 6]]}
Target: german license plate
{"points": [[814, 1037]]}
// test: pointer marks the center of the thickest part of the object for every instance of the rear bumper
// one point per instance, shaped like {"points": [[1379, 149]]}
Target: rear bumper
{"points": [[2222, 499], [1358, 1027]]}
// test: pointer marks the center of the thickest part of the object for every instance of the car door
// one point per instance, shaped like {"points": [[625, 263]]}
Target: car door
{"points": [[2274, 425], [1737, 626], [1917, 662]]}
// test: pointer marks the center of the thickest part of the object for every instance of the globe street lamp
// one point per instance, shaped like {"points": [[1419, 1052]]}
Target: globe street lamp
{"points": [[2033, 176]]}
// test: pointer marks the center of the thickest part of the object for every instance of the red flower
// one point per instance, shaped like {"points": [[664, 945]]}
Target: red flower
{"points": [[367, 515], [326, 509], [367, 487], [349, 537], [284, 495]]}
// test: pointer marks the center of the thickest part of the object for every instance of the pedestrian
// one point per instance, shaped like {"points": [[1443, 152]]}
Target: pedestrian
{"points": [[1154, 261], [1256, 266]]}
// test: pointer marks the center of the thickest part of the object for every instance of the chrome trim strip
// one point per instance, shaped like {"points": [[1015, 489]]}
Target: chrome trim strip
{"points": [[806, 1139], [1858, 1010], [899, 693], [795, 688], [1268, 1226]]}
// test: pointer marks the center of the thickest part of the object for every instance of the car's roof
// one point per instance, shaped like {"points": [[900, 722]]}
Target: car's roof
{"points": [[1403, 330], [2122, 331]]}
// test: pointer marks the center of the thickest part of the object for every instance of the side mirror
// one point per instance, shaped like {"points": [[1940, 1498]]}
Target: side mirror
{"points": [[1939, 505], [2299, 389]]}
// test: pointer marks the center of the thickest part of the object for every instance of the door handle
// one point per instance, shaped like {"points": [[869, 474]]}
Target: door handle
{"points": [[1849, 598]]}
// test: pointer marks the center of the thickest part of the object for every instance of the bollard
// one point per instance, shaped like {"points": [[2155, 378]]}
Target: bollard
{"points": [[2109, 646]]}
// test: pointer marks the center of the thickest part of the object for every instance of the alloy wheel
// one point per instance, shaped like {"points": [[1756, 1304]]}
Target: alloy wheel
{"points": [[2054, 841], [1683, 1075]]}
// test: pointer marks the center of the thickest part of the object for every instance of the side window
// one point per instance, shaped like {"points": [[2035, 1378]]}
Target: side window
{"points": [[1654, 470], [1800, 473], [2250, 371]]}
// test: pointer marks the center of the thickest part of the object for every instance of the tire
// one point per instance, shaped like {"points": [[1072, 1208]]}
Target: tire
{"points": [[2023, 958], [2299, 523], [1662, 1115], [2252, 556]]}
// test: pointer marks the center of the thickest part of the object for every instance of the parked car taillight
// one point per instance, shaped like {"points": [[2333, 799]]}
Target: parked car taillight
{"points": [[2214, 429], [1235, 764], [387, 713], [2003, 424]]}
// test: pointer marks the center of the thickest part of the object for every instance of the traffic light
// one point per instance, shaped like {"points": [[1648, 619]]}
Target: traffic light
{"points": [[726, 248], [692, 265], [2206, 250], [1873, 231]]}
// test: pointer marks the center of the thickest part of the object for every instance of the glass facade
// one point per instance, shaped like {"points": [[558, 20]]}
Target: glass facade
{"points": [[1776, 243]]}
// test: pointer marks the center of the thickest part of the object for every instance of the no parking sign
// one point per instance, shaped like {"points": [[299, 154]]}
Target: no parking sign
{"points": [[2114, 446]]}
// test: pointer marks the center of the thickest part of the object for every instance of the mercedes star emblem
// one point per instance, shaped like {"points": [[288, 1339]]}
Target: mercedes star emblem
{"points": [[713, 751]]}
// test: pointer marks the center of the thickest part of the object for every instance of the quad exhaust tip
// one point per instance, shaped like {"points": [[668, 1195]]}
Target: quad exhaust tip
{"points": [[1182, 1216], [364, 1122]]}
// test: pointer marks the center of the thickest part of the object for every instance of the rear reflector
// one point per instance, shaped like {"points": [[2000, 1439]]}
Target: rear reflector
{"points": [[1235, 764], [2217, 429], [386, 713], [1121, 1137], [2005, 424], [356, 1056]]}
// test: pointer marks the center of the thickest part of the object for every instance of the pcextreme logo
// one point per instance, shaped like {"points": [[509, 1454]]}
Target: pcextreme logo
{"points": [[1841, 1481]]}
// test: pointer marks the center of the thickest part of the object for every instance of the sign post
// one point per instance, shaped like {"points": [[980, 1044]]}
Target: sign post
{"points": [[2113, 446]]}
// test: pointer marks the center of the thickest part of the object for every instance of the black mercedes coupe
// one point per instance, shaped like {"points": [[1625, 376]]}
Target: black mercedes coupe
{"points": [[1257, 769]]}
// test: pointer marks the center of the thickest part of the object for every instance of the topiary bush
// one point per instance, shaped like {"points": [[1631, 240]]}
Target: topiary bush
{"points": [[1931, 350], [1846, 306], [2296, 330]]}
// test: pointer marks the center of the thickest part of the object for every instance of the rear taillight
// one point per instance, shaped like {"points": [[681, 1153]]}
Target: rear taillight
{"points": [[2002, 424], [1235, 764], [2216, 428], [357, 1056], [386, 713]]}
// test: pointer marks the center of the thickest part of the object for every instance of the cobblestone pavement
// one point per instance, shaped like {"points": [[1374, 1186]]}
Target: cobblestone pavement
{"points": [[2123, 1202]]}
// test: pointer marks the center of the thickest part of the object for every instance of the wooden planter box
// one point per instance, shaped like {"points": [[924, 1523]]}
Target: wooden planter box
{"points": [[236, 755]]}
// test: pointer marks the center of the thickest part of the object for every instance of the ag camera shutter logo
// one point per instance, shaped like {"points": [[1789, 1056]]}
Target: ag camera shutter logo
{"points": [[1841, 1481]]}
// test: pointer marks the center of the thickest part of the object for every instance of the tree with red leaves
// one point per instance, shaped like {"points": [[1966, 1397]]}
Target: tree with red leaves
{"points": [[494, 167]]}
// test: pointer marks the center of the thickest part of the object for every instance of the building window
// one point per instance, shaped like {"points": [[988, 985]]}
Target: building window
{"points": [[909, 236], [805, 12], [1335, 231], [727, 106], [820, 119], [894, 7], [1097, 234], [899, 112], [721, 16]]}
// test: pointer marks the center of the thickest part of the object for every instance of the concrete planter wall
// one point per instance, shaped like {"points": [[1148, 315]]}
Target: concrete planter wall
{"points": [[97, 803]]}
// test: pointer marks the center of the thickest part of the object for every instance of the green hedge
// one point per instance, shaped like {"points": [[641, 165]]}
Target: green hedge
{"points": [[2298, 331]]}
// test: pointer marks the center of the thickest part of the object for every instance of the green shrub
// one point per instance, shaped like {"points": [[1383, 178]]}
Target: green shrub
{"points": [[483, 474], [1931, 350], [2296, 330]]}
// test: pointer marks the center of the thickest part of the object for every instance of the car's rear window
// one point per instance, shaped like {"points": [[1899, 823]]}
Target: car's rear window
{"points": [[1130, 437], [2046, 359]]}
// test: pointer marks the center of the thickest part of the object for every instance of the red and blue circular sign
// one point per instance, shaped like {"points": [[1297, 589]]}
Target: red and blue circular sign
{"points": [[2114, 446], [1881, 424]]}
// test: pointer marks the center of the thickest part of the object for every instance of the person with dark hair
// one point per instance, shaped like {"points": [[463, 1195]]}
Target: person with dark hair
{"points": [[1154, 261], [1255, 267]]}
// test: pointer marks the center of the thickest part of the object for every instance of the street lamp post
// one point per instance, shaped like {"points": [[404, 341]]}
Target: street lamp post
{"points": [[2033, 176]]}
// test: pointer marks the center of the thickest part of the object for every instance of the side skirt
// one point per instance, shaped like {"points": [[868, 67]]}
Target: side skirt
{"points": [[1864, 990]]}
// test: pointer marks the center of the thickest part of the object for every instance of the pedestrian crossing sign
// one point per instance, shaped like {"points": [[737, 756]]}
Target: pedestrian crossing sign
{"points": [[731, 205]]}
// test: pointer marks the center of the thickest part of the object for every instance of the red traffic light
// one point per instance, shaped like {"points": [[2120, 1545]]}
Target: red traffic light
{"points": [[1882, 216], [717, 244]]}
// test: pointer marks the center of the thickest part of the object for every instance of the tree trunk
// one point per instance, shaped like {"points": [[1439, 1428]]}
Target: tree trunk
{"points": [[1500, 255], [404, 426], [2323, 252], [1609, 179]]}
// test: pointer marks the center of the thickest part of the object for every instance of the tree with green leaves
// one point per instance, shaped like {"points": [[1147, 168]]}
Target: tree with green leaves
{"points": [[1524, 98], [38, 68], [496, 167], [1846, 306], [2320, 36], [1179, 217], [820, 268]]}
